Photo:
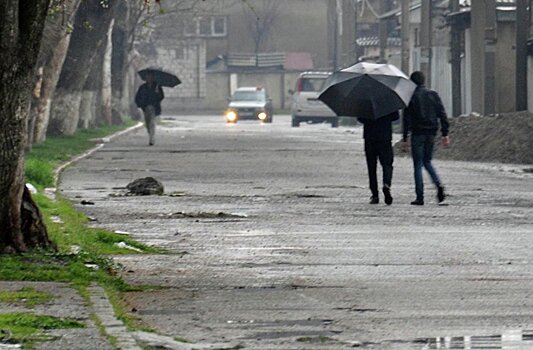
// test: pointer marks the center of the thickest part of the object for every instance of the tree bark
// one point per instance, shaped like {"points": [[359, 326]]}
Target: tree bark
{"points": [[120, 38], [105, 91], [21, 28], [52, 55], [90, 29]]}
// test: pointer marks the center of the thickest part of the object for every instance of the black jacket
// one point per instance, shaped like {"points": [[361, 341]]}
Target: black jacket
{"points": [[149, 95], [379, 129], [423, 114]]}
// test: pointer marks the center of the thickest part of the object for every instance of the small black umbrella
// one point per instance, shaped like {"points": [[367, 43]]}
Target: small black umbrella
{"points": [[367, 90], [161, 77]]}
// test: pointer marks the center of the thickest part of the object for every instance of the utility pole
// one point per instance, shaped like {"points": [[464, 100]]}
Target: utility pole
{"points": [[405, 36], [383, 33], [490, 57], [522, 17], [455, 45], [425, 40]]}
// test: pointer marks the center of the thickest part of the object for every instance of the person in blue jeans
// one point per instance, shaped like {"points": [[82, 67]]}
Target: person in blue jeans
{"points": [[423, 117]]}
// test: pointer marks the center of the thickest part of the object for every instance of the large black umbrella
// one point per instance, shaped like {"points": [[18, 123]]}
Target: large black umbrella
{"points": [[161, 77], [367, 90]]}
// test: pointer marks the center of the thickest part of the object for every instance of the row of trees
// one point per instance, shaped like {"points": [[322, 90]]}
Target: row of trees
{"points": [[64, 64]]}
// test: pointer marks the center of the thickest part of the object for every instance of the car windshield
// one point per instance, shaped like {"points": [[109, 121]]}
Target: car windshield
{"points": [[248, 96], [312, 84]]}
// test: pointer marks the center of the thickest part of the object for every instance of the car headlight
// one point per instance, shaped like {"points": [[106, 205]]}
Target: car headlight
{"points": [[262, 116], [231, 116]]}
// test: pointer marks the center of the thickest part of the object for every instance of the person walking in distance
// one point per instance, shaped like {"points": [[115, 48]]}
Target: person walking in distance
{"points": [[378, 137], [421, 119], [148, 98]]}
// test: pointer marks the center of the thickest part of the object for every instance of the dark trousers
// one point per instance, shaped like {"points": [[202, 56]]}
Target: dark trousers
{"points": [[422, 151], [382, 150]]}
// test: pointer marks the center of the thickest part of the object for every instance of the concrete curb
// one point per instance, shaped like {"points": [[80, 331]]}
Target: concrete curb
{"points": [[100, 304], [77, 158], [103, 310]]}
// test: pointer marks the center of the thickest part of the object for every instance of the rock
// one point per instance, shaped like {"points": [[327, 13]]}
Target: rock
{"points": [[145, 186]]}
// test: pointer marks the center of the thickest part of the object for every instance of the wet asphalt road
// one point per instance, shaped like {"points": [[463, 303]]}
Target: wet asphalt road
{"points": [[298, 259]]}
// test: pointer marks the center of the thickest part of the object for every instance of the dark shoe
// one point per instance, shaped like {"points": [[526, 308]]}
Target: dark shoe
{"points": [[388, 197], [417, 202], [374, 200], [440, 194]]}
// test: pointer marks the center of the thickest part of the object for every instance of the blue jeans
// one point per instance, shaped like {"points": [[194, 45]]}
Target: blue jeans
{"points": [[422, 152]]}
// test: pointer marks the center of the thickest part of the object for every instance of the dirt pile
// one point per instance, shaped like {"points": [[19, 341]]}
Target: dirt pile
{"points": [[505, 138]]}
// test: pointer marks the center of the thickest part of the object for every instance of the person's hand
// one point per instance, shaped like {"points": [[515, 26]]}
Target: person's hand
{"points": [[445, 141], [405, 146]]}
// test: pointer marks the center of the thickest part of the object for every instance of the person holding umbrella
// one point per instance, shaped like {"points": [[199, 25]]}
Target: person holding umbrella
{"points": [[378, 145], [148, 98], [374, 93], [421, 119]]}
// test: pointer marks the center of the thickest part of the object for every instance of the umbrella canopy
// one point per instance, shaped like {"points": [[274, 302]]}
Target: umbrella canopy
{"points": [[162, 78], [367, 90]]}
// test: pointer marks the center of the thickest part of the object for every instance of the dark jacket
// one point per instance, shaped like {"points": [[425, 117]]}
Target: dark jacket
{"points": [[149, 95], [379, 129], [423, 114]]}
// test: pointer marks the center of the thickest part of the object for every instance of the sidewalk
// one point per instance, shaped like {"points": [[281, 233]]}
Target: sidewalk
{"points": [[66, 302]]}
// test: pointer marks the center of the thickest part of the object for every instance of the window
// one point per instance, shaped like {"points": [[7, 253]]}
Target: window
{"points": [[219, 26], [206, 26]]}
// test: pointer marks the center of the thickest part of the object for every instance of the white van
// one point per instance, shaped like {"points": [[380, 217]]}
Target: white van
{"points": [[306, 107]]}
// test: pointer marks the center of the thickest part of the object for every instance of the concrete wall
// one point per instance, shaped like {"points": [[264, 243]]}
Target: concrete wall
{"points": [[441, 76], [506, 68], [277, 85], [186, 59]]}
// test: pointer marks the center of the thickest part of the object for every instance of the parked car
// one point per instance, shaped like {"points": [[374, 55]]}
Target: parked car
{"points": [[249, 103], [306, 107]]}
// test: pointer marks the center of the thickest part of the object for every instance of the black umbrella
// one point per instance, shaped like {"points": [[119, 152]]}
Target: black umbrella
{"points": [[367, 90], [161, 77]]}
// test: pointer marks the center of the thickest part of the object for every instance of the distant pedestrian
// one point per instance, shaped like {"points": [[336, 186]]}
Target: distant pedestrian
{"points": [[378, 137], [148, 98], [421, 119]]}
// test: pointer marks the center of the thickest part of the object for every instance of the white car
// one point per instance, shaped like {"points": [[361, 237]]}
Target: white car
{"points": [[306, 107], [249, 103]]}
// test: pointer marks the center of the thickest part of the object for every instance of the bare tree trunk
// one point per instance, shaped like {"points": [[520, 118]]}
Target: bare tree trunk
{"points": [[91, 101], [53, 51], [21, 28], [105, 91], [122, 46], [90, 29]]}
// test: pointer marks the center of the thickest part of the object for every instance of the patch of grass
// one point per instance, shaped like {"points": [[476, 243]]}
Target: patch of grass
{"points": [[45, 157], [27, 295], [528, 170], [73, 231], [26, 327], [45, 267], [39, 172]]}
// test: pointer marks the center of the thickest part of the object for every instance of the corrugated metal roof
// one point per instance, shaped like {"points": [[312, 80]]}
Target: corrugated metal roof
{"points": [[374, 41]]}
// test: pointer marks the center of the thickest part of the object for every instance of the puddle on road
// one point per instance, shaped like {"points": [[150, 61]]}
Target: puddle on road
{"points": [[303, 195], [508, 340], [206, 215]]}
